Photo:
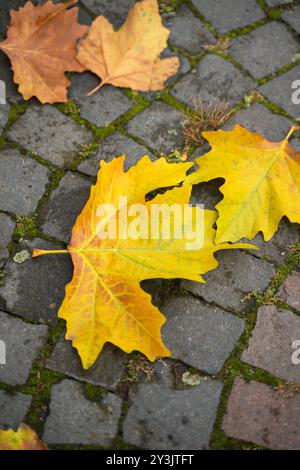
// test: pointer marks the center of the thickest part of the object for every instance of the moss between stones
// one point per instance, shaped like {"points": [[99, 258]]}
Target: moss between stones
{"points": [[278, 72], [15, 111], [25, 227], [94, 393], [234, 368]]}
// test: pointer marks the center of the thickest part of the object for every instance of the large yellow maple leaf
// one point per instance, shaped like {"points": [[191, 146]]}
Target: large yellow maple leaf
{"points": [[41, 44], [104, 301], [129, 57], [23, 439], [262, 182]]}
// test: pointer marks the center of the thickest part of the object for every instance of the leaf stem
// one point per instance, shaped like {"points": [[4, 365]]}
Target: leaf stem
{"points": [[101, 84], [36, 253]]}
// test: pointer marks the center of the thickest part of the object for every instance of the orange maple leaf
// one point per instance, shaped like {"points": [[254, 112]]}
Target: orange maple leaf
{"points": [[104, 301], [41, 44], [129, 57]]}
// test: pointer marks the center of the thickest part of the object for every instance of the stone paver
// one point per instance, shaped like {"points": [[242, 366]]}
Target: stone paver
{"points": [[36, 288], [200, 335], [280, 91], [106, 372], [112, 147], [290, 290], [22, 182], [115, 10], [276, 3], [65, 204], [12, 94], [226, 15], [20, 354], [293, 18], [159, 126], [5, 8], [214, 79], [257, 413], [13, 409], [157, 419], [237, 275], [46, 132], [207, 194], [270, 346], [195, 34], [102, 107], [7, 227], [252, 49], [257, 118], [73, 419], [279, 247], [4, 112]]}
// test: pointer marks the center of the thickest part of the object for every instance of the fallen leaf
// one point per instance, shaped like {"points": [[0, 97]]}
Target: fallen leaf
{"points": [[104, 301], [129, 57], [262, 182], [41, 44], [23, 439]]}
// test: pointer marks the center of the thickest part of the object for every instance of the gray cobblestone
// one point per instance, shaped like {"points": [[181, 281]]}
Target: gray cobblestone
{"points": [[4, 112], [47, 132], [293, 18], [237, 275], [65, 204], [280, 91], [226, 15], [12, 94], [258, 51], [270, 346], [159, 126], [13, 409], [5, 8], [279, 247], [199, 335], [162, 418], [102, 107], [195, 34], [214, 79], [112, 147], [36, 288], [22, 182], [115, 10], [20, 354], [276, 3], [73, 419], [6, 231], [259, 119], [106, 372]]}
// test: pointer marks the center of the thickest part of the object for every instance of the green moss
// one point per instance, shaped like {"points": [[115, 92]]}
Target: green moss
{"points": [[168, 6], [43, 380], [198, 14], [25, 227], [15, 111], [87, 151], [2, 141], [274, 14], [283, 271], [279, 72], [273, 107], [94, 393], [247, 29], [70, 108]]}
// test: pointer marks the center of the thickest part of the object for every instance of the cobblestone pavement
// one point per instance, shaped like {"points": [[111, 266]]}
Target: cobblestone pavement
{"points": [[231, 382]]}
